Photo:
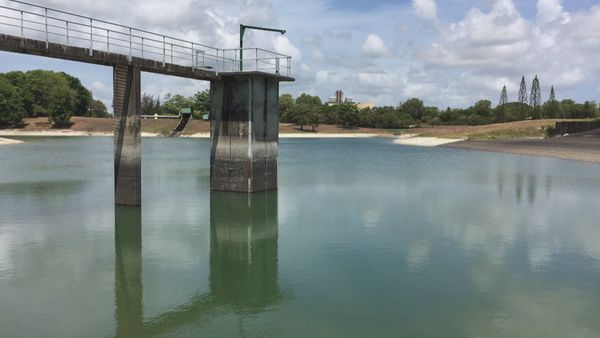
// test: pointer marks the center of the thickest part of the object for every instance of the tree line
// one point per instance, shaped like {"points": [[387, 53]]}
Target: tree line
{"points": [[199, 102], [42, 93], [308, 111]]}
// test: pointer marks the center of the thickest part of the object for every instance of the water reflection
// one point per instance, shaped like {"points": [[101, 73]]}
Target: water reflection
{"points": [[243, 249], [128, 272], [243, 266]]}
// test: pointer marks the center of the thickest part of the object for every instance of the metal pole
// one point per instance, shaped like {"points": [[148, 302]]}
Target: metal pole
{"points": [[242, 31], [21, 24], [130, 48], [277, 65], [142, 48], [192, 55], [46, 24], [67, 32], [171, 53], [256, 54], [164, 51], [91, 37], [107, 40]]}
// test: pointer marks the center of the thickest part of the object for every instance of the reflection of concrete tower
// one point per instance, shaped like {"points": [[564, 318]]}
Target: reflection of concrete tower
{"points": [[128, 272], [243, 249]]}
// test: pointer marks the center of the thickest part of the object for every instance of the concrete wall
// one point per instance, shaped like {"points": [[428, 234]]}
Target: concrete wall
{"points": [[127, 136], [244, 132], [574, 127]]}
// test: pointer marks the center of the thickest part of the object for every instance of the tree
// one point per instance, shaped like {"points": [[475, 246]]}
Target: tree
{"points": [[62, 106], [503, 97], [535, 99], [309, 100], [551, 109], [173, 103], [98, 109], [286, 102], [413, 107], [523, 97], [11, 105], [348, 116], [568, 109], [299, 115], [149, 105], [201, 103], [500, 109], [83, 98], [314, 118]]}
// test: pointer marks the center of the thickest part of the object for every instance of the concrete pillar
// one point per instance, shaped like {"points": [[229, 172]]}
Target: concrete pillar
{"points": [[127, 137], [244, 132]]}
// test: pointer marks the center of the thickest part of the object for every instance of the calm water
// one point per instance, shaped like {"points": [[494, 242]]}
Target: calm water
{"points": [[363, 238]]}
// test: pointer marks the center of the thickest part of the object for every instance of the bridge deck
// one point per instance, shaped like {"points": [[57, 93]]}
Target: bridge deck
{"points": [[15, 44]]}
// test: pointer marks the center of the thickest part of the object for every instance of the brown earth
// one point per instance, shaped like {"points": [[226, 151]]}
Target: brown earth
{"points": [[165, 126], [579, 147]]}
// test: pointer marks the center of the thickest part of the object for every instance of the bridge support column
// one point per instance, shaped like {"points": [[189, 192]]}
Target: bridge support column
{"points": [[127, 137], [244, 132]]}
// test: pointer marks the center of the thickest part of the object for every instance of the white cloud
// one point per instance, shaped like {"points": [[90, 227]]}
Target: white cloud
{"points": [[318, 56], [374, 47], [453, 62], [425, 9], [551, 10]]}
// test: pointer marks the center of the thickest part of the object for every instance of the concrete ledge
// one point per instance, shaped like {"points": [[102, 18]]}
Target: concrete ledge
{"points": [[574, 127]]}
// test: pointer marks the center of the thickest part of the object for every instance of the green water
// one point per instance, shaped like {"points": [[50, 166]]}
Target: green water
{"points": [[364, 238]]}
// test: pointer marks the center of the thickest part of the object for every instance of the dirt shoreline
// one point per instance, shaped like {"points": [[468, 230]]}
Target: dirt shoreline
{"points": [[583, 147]]}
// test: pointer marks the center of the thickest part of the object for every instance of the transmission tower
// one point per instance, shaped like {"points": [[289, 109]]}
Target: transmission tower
{"points": [[523, 96], [535, 99], [503, 97], [552, 95]]}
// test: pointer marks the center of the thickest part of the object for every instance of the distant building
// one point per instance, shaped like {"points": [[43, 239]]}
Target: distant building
{"points": [[340, 99], [365, 105]]}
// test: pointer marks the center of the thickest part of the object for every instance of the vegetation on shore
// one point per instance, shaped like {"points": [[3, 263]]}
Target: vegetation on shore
{"points": [[42, 93], [59, 96], [199, 102], [307, 110]]}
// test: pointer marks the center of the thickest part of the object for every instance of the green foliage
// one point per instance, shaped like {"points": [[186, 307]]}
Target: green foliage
{"points": [[200, 104], [173, 103], [83, 98], [55, 95], [348, 116], [286, 102], [98, 109], [551, 131], [63, 104], [150, 105], [309, 100], [11, 105], [414, 108]]}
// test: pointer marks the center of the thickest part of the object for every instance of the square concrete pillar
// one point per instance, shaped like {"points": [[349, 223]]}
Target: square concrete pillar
{"points": [[244, 132], [127, 136]]}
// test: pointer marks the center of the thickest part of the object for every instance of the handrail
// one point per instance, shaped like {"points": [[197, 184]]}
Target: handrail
{"points": [[47, 24]]}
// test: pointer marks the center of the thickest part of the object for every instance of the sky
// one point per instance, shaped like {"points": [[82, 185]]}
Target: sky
{"points": [[448, 53]]}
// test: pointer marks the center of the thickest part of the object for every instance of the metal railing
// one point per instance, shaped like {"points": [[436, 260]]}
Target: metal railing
{"points": [[26, 20]]}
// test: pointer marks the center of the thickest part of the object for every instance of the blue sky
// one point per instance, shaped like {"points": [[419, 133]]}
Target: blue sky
{"points": [[449, 53]]}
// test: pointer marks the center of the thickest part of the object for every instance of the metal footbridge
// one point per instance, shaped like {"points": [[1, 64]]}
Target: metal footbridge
{"points": [[33, 29]]}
